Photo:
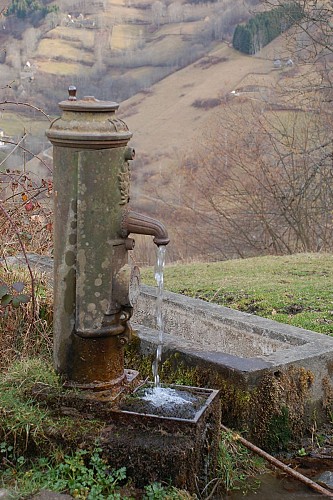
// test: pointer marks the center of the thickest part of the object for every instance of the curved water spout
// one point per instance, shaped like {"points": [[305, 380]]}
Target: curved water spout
{"points": [[137, 223]]}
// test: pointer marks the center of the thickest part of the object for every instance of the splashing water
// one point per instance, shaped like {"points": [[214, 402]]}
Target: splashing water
{"points": [[159, 277], [165, 396]]}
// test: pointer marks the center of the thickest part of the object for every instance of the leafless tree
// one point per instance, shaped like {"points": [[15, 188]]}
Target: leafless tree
{"points": [[175, 12], [261, 183], [313, 35], [157, 12]]}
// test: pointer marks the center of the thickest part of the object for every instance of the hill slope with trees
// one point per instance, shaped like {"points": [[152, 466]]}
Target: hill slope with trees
{"points": [[264, 27]]}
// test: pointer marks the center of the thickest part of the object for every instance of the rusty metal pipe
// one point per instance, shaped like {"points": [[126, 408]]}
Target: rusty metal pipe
{"points": [[137, 223]]}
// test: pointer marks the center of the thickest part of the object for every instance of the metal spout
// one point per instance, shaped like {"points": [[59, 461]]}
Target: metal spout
{"points": [[142, 224]]}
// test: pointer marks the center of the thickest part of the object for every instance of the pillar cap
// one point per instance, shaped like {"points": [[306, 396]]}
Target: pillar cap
{"points": [[88, 104], [88, 123]]}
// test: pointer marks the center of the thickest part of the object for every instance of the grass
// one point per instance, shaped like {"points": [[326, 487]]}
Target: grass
{"points": [[84, 36], [238, 468], [293, 289], [40, 449], [27, 425], [26, 336], [14, 123], [61, 68], [126, 36]]}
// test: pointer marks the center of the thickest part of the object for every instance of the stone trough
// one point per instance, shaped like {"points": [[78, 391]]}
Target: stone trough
{"points": [[266, 371]]}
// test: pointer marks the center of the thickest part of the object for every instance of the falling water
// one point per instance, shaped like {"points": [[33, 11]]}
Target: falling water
{"points": [[159, 277], [158, 396]]}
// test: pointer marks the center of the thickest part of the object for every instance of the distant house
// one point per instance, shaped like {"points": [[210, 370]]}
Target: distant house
{"points": [[278, 63]]}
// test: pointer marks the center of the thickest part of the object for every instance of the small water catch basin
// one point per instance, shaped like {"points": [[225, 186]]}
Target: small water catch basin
{"points": [[161, 438]]}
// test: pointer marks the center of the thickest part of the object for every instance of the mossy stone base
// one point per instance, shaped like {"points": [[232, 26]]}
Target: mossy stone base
{"points": [[154, 448]]}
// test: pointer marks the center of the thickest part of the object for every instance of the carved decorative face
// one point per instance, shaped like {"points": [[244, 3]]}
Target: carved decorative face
{"points": [[124, 178]]}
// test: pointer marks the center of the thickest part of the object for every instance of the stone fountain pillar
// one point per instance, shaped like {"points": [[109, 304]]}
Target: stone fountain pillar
{"points": [[94, 284]]}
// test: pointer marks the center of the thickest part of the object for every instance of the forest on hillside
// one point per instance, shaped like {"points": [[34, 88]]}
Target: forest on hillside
{"points": [[25, 8], [264, 27]]}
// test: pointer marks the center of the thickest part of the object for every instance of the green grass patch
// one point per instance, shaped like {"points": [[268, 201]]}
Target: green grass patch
{"points": [[26, 424], [293, 289], [238, 468]]}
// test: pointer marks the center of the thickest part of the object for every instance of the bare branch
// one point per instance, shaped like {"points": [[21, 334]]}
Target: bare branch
{"points": [[27, 104]]}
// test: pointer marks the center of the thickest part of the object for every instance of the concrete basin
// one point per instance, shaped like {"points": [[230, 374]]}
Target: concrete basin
{"points": [[282, 370]]}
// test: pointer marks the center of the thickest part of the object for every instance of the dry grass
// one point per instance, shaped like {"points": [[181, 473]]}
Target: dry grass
{"points": [[24, 334], [14, 123], [24, 221], [65, 51], [84, 36], [126, 37], [61, 68]]}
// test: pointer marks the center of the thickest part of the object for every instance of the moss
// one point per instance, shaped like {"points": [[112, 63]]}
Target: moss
{"points": [[279, 430], [177, 370], [278, 407], [328, 397], [135, 360], [31, 425], [272, 414]]}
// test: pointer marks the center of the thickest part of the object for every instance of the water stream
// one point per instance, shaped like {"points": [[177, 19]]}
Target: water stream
{"points": [[159, 277], [162, 396]]}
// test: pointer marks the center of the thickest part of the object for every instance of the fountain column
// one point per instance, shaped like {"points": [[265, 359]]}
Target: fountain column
{"points": [[94, 284]]}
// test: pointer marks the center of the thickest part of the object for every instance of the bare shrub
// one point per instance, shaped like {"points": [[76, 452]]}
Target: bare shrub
{"points": [[26, 330], [208, 61], [260, 183], [25, 225], [206, 103]]}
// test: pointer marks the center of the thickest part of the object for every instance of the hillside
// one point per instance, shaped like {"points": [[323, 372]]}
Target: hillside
{"points": [[113, 49], [186, 83], [119, 46], [175, 113], [110, 49]]}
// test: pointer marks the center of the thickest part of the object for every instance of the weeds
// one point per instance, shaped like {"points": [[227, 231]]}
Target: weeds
{"points": [[12, 296], [82, 474], [24, 333], [237, 466], [26, 424], [156, 491]]}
